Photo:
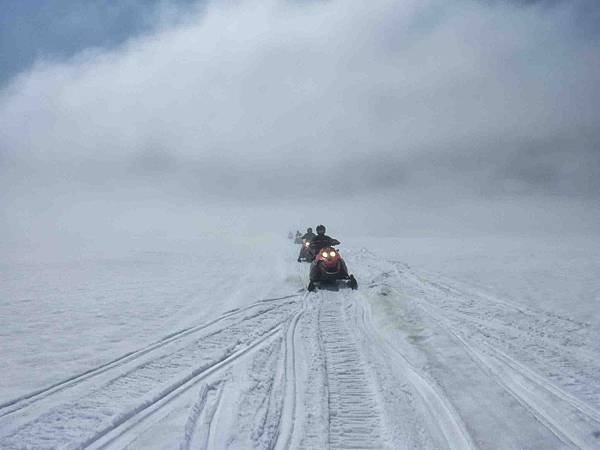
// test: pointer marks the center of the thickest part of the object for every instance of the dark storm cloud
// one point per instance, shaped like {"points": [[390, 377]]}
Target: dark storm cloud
{"points": [[56, 30], [258, 100], [584, 15]]}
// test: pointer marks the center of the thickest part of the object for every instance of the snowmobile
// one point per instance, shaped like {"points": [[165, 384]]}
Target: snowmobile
{"points": [[298, 238], [306, 252], [328, 265]]}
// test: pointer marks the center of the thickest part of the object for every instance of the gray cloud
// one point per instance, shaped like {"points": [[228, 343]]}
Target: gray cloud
{"points": [[277, 100]]}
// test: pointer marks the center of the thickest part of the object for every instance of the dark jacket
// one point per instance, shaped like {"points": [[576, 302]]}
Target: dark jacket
{"points": [[322, 241], [308, 236]]}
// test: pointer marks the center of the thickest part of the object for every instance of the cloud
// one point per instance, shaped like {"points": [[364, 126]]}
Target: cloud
{"points": [[57, 30], [255, 100]]}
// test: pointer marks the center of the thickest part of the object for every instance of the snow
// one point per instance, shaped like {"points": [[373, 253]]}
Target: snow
{"points": [[481, 342]]}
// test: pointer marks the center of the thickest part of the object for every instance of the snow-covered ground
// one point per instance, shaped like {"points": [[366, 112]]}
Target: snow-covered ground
{"points": [[470, 343]]}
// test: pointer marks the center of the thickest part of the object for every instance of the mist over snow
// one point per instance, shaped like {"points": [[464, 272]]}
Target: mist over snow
{"points": [[386, 118], [155, 154]]}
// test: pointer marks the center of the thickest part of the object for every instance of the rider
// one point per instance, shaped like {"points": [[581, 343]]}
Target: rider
{"points": [[321, 240], [304, 251], [309, 235]]}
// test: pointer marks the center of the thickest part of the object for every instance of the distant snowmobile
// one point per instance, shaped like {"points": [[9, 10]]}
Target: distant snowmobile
{"points": [[298, 238], [328, 265], [306, 253]]}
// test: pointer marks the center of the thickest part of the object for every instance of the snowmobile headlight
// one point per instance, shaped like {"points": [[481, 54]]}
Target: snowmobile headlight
{"points": [[306, 244], [332, 254], [324, 254]]}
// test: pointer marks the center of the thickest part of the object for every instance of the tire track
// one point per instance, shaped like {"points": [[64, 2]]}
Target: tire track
{"points": [[437, 405], [128, 422], [192, 422], [259, 403], [23, 401], [478, 325], [288, 417], [197, 427], [568, 419], [355, 416], [321, 350], [559, 348], [492, 334], [311, 428], [550, 387], [492, 331], [117, 401], [484, 345]]}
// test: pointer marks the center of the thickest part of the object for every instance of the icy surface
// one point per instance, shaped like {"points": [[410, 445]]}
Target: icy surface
{"points": [[471, 343]]}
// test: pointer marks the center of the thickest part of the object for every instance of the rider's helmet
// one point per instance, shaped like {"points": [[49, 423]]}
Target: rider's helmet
{"points": [[321, 230], [309, 230]]}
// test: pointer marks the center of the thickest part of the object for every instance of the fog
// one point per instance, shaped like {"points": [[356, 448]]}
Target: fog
{"points": [[255, 117]]}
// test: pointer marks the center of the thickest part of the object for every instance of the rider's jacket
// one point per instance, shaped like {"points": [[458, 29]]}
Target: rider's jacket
{"points": [[308, 237], [321, 241]]}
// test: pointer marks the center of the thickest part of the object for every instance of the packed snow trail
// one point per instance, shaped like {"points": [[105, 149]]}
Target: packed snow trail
{"points": [[410, 360], [355, 417]]}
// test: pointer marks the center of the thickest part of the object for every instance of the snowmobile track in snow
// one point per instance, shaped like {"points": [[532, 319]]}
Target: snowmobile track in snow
{"points": [[316, 370], [25, 400], [354, 415], [112, 407], [288, 419], [438, 406], [128, 421], [196, 434], [571, 420]]}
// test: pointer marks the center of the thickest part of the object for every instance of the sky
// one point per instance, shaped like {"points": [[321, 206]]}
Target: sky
{"points": [[33, 31], [248, 113]]}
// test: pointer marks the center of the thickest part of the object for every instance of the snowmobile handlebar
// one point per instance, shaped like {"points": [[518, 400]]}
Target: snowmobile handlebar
{"points": [[321, 245]]}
